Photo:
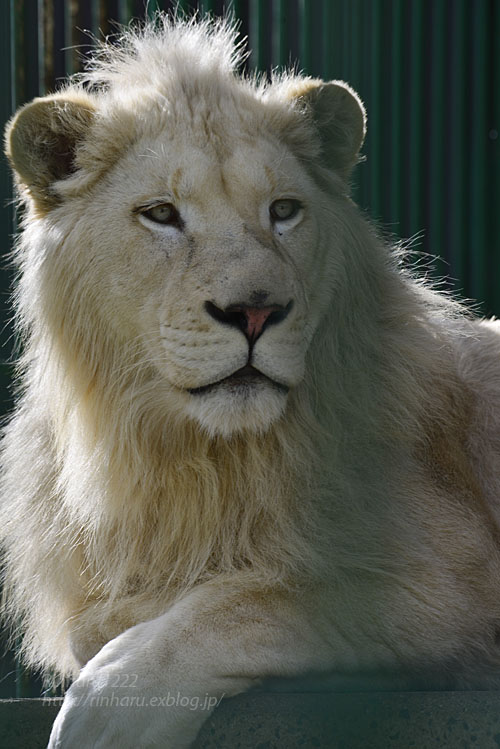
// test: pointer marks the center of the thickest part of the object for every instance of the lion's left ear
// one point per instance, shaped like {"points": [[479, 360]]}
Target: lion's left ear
{"points": [[340, 118], [41, 142]]}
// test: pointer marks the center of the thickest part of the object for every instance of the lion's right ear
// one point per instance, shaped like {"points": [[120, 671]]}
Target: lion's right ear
{"points": [[340, 120], [42, 139]]}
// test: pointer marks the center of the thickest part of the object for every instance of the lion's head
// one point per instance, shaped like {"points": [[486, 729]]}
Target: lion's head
{"points": [[187, 224]]}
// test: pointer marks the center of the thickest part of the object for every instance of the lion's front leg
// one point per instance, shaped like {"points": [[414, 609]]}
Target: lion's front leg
{"points": [[155, 684]]}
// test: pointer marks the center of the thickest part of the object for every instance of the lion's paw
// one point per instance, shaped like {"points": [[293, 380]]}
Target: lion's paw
{"points": [[119, 701]]}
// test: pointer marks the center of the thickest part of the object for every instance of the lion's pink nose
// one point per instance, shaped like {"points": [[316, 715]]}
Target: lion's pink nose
{"points": [[250, 320], [256, 318]]}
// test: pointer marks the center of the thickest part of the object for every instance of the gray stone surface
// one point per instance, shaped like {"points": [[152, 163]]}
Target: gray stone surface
{"points": [[401, 720], [379, 720]]}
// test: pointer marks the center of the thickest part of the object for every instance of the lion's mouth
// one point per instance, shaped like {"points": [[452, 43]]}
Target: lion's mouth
{"points": [[242, 378]]}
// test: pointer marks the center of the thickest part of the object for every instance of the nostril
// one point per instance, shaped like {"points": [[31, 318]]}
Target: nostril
{"points": [[236, 316], [216, 312], [233, 315], [279, 314], [251, 320]]}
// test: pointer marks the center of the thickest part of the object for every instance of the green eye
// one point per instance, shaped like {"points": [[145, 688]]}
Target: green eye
{"points": [[164, 213], [284, 209]]}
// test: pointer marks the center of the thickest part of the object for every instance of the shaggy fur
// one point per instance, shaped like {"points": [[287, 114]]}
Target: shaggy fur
{"points": [[350, 525]]}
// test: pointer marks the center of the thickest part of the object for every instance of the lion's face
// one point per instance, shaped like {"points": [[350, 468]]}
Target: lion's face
{"points": [[212, 258], [191, 231]]}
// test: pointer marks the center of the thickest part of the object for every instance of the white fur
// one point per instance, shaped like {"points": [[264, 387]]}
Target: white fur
{"points": [[201, 543]]}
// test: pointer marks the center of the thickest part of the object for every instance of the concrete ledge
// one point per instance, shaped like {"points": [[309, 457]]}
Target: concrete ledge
{"points": [[377, 720], [383, 720]]}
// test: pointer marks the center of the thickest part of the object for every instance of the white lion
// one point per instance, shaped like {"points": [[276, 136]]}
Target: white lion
{"points": [[248, 443]]}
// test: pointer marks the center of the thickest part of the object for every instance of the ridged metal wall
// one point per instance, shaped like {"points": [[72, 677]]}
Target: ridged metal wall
{"points": [[427, 70]]}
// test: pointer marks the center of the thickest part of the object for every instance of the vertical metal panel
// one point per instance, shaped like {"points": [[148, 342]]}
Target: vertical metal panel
{"points": [[478, 142], [436, 121], [279, 20], [375, 114], [7, 106], [415, 142], [493, 239], [70, 63], [59, 13], [455, 147], [124, 12], [306, 41], [395, 175], [25, 52], [260, 38]]}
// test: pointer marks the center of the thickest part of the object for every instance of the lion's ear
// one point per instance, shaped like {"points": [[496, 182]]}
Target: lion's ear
{"points": [[340, 118], [41, 142]]}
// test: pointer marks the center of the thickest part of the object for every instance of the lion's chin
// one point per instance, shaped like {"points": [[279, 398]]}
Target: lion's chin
{"points": [[235, 405]]}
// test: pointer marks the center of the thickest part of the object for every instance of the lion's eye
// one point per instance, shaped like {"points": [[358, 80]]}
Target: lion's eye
{"points": [[163, 213], [284, 209]]}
